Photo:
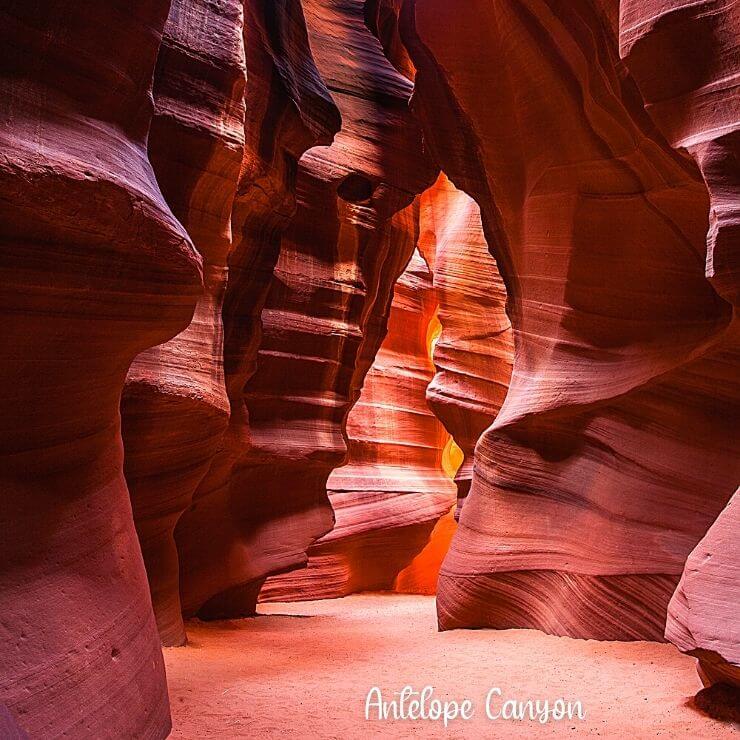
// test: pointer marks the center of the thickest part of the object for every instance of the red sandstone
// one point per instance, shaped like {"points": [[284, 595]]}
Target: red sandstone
{"points": [[221, 367]]}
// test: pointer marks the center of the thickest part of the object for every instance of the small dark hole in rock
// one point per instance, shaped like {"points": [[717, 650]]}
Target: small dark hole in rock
{"points": [[355, 189], [114, 653]]}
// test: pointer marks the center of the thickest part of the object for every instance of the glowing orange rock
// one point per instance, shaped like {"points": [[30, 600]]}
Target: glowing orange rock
{"points": [[389, 495], [474, 351]]}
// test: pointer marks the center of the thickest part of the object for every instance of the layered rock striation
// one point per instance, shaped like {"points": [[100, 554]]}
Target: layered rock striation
{"points": [[322, 321], [392, 490], [473, 353], [613, 452], [288, 110], [95, 269], [174, 407]]}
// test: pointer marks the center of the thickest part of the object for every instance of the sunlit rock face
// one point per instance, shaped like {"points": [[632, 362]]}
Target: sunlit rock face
{"points": [[474, 351], [388, 496], [392, 497], [95, 268], [684, 58], [702, 615], [323, 319], [614, 450], [174, 407]]}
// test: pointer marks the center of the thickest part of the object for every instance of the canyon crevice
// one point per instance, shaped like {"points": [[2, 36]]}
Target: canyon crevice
{"points": [[304, 298]]}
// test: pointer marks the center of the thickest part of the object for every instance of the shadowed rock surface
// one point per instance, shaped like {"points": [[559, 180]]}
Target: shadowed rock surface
{"points": [[174, 407], [95, 268], [288, 110], [685, 60], [323, 319]]}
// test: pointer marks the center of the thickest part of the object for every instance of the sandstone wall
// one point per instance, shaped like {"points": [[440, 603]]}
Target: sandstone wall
{"points": [[205, 207], [95, 269], [613, 452], [474, 351], [174, 407], [323, 319], [390, 493]]}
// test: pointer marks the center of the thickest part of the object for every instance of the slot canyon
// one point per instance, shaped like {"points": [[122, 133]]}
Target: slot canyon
{"points": [[355, 345]]}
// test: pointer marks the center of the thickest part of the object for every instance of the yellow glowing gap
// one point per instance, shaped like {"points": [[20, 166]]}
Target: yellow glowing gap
{"points": [[452, 457], [433, 331]]}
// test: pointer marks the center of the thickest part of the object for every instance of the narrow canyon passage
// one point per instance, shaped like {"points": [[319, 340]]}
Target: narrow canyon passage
{"points": [[354, 345], [310, 665]]}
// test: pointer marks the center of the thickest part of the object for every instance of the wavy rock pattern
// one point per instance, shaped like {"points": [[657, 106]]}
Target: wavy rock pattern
{"points": [[174, 406], [593, 146], [323, 319], [288, 110], [691, 92], [389, 495], [613, 452], [702, 615], [95, 269], [474, 352], [382, 18]]}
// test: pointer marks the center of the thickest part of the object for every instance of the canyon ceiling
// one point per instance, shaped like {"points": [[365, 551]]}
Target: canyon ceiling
{"points": [[298, 294]]}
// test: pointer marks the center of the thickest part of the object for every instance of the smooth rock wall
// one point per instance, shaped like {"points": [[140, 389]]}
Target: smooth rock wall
{"points": [[614, 450], [95, 269], [174, 407]]}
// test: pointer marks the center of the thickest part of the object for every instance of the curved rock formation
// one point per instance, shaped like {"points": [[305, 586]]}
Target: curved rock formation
{"points": [[613, 452], [322, 322], [684, 57], [388, 496], [594, 149], [691, 92], [95, 269], [382, 18], [174, 407], [288, 110], [702, 615], [473, 354]]}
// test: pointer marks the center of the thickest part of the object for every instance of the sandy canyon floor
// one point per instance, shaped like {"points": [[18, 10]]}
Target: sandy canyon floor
{"points": [[304, 670]]}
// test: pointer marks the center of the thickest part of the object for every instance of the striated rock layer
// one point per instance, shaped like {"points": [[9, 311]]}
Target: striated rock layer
{"points": [[323, 319], [288, 110], [691, 92], [474, 351], [389, 495], [174, 407], [593, 146], [702, 615], [95, 269], [614, 450]]}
